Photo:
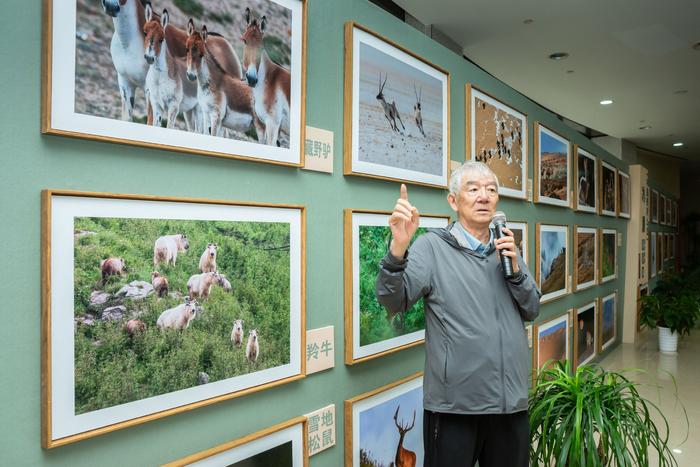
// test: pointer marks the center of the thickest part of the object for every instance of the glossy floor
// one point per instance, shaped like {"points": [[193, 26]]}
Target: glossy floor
{"points": [[659, 387]]}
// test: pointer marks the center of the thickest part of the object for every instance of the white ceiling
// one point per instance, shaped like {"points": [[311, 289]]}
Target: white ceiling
{"points": [[635, 52]]}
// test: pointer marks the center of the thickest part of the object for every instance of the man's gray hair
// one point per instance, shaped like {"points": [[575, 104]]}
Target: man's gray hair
{"points": [[479, 169]]}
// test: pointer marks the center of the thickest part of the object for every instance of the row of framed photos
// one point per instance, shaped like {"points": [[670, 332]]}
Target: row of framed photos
{"points": [[397, 105], [662, 248], [660, 209]]}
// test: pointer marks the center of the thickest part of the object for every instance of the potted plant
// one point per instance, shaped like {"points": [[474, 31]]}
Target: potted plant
{"points": [[592, 418], [673, 307]]}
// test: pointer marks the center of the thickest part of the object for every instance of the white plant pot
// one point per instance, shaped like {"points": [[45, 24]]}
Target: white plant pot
{"points": [[668, 341]]}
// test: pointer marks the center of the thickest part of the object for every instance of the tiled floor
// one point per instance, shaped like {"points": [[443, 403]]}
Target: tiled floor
{"points": [[658, 386]]}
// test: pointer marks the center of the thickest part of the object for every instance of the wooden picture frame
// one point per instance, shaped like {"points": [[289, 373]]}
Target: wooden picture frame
{"points": [[608, 321], [585, 180], [484, 139], [582, 234], [372, 226], [521, 227], [557, 234], [662, 209], [292, 433], [608, 193], [546, 141], [388, 119], [69, 108], [669, 212], [642, 291], [379, 403], [654, 206], [83, 232], [549, 326], [653, 255], [624, 195], [660, 252], [605, 235], [585, 324]]}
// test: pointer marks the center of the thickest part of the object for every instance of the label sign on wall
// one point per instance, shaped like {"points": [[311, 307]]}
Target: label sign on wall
{"points": [[321, 425], [320, 349], [318, 150]]}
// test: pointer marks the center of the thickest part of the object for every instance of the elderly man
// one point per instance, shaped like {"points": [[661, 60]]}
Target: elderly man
{"points": [[477, 365]]}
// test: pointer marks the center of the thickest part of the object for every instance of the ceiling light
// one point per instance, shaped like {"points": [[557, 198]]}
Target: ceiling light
{"points": [[645, 127], [528, 21], [606, 102], [677, 145], [559, 55], [696, 46]]}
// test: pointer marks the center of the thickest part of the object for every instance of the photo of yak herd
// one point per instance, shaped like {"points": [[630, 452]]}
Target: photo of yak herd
{"points": [[165, 305], [214, 67]]}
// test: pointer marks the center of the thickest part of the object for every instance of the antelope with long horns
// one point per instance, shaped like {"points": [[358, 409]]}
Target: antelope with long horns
{"points": [[417, 110], [404, 457], [390, 111]]}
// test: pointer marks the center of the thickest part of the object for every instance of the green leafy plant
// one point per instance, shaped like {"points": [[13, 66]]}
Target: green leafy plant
{"points": [[593, 418], [674, 303]]}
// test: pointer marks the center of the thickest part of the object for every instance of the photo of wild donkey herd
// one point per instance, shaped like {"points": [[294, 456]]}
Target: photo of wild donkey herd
{"points": [[214, 67], [164, 305]]}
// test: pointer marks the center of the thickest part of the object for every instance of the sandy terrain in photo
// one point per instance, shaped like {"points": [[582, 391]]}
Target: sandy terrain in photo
{"points": [[586, 257], [552, 346], [553, 174]]}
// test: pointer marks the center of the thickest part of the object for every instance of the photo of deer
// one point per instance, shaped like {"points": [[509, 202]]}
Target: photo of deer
{"points": [[398, 112], [208, 76], [387, 426], [552, 157]]}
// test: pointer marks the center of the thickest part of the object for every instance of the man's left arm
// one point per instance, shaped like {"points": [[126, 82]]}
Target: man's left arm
{"points": [[524, 291]]}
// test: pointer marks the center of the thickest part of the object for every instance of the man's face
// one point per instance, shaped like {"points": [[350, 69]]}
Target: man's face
{"points": [[476, 202]]}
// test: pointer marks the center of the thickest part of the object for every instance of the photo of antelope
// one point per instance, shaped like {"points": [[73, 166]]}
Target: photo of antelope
{"points": [[399, 113], [222, 76]]}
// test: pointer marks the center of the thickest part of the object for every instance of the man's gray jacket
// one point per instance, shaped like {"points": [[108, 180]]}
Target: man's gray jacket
{"points": [[477, 359]]}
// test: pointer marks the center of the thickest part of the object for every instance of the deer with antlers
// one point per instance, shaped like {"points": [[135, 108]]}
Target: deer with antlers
{"points": [[404, 457], [390, 111], [417, 110]]}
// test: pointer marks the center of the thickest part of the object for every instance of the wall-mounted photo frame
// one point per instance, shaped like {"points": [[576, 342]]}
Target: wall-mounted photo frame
{"points": [[608, 255], [519, 230], [624, 198], [397, 111], [551, 341], [585, 176], [552, 162], [282, 445], [497, 136], [608, 189], [667, 246], [669, 218], [659, 252], [381, 422], [369, 331], [676, 220], [95, 91], [585, 333], [552, 256], [153, 306], [608, 321], [643, 260], [642, 291], [654, 206], [653, 255], [672, 248], [586, 257], [662, 209]]}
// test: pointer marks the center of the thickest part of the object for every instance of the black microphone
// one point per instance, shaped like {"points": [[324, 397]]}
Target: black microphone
{"points": [[499, 222]]}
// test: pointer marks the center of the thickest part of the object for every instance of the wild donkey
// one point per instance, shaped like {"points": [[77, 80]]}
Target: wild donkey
{"points": [[270, 82], [417, 116], [167, 88], [225, 99], [404, 457], [390, 111]]}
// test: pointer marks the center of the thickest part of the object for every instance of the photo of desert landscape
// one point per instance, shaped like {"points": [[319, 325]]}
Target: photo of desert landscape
{"points": [[586, 181], [608, 192], [552, 341], [585, 257], [552, 261], [498, 140], [552, 167], [607, 328], [584, 334], [608, 254]]}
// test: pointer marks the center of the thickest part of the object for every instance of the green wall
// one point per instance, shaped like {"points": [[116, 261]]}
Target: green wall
{"points": [[34, 162]]}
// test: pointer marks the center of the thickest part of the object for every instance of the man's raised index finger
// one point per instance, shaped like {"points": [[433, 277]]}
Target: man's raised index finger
{"points": [[404, 192]]}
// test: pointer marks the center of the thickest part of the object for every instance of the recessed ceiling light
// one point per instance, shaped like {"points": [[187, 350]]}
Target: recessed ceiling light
{"points": [[606, 102], [559, 56], [528, 21], [696, 46], [677, 145], [645, 127], [681, 91]]}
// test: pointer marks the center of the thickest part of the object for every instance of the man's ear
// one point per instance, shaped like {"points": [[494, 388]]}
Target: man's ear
{"points": [[453, 202]]}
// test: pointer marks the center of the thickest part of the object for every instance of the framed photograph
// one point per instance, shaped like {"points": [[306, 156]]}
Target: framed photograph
{"points": [[369, 331], [103, 80], [608, 321], [552, 341], [659, 252], [643, 291], [586, 258], [662, 209], [653, 255], [586, 170], [667, 246], [654, 206], [643, 260], [608, 255], [552, 268], [624, 200], [676, 220], [382, 423], [669, 218], [674, 240], [153, 306], [552, 161], [282, 445], [397, 112], [608, 189], [585, 334], [497, 136], [519, 230]]}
